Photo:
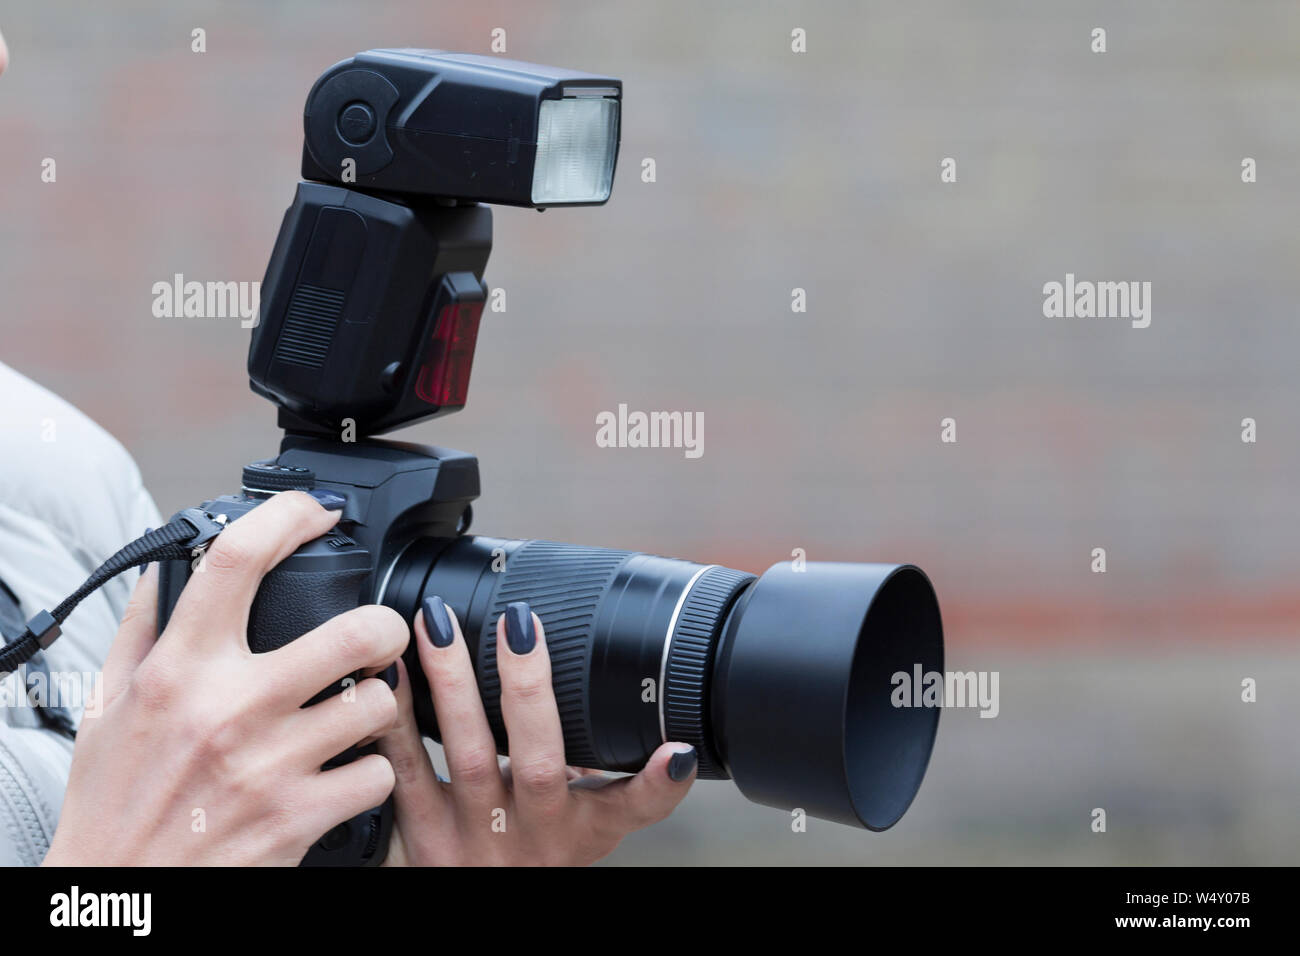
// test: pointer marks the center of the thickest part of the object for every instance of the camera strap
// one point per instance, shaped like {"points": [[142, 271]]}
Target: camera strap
{"points": [[186, 536]]}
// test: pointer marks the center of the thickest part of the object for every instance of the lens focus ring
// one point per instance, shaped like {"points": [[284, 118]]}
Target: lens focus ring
{"points": [[688, 671]]}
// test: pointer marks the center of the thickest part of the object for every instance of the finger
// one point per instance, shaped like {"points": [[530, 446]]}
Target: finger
{"points": [[323, 731], [228, 576], [389, 676], [387, 673], [341, 793], [420, 799], [636, 802], [135, 637], [540, 784], [467, 740], [4, 55], [365, 637]]}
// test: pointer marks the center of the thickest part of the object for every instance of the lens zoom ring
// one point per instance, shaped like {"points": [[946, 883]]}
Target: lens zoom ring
{"points": [[563, 584], [690, 663]]}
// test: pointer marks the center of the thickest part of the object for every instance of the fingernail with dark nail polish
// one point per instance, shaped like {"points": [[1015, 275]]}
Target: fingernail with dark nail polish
{"points": [[438, 622], [329, 500], [682, 765], [519, 627]]}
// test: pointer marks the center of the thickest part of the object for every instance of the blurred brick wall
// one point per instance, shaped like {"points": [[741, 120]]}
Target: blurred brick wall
{"points": [[821, 429]]}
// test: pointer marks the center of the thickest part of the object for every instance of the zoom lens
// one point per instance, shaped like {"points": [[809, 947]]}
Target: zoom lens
{"points": [[781, 682]]}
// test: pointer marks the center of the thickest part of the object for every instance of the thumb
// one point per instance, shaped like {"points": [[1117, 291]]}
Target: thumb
{"points": [[135, 637], [634, 803]]}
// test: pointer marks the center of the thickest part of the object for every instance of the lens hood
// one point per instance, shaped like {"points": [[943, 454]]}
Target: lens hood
{"points": [[804, 693]]}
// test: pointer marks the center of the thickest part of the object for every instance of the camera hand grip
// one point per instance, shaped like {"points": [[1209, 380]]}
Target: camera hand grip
{"points": [[298, 595], [292, 602]]}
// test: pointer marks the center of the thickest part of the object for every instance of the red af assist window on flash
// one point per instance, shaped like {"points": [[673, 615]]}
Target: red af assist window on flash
{"points": [[444, 377]]}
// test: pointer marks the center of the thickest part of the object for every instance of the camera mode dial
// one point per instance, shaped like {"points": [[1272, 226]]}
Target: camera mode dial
{"points": [[266, 478]]}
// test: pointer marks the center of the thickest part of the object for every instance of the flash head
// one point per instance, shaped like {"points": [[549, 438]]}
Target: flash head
{"points": [[463, 127]]}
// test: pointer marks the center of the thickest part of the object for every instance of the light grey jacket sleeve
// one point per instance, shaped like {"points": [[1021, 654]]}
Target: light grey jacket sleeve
{"points": [[70, 496]]}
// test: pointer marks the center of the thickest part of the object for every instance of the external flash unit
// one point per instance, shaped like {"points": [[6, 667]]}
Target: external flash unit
{"points": [[400, 149]]}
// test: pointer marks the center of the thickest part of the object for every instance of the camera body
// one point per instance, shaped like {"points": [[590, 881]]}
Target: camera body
{"points": [[396, 493]]}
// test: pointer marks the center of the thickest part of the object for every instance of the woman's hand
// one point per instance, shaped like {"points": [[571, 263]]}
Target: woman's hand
{"points": [[203, 753], [536, 813]]}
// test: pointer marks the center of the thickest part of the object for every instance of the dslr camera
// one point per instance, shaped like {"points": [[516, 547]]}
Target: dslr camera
{"points": [[370, 310]]}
